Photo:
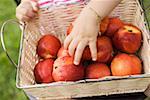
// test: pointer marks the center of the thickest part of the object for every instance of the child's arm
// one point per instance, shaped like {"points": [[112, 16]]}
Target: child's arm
{"points": [[26, 10], [86, 27], [103, 7]]}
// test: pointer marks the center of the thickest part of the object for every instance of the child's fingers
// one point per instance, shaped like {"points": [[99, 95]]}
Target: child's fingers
{"points": [[22, 17], [93, 49], [79, 50], [73, 46], [67, 41], [25, 18], [31, 14], [34, 5], [26, 10], [25, 14]]}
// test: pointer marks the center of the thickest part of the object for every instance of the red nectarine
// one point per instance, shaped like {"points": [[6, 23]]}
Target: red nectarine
{"points": [[43, 71], [48, 46], [86, 54], [104, 49], [97, 70], [62, 52], [65, 70], [114, 24], [124, 64], [128, 39]]}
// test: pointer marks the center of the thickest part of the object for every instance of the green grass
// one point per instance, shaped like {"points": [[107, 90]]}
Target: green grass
{"points": [[147, 10], [8, 90]]}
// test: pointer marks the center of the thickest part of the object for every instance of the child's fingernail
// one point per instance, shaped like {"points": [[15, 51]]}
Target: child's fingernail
{"points": [[35, 9], [94, 59], [35, 6], [76, 63]]}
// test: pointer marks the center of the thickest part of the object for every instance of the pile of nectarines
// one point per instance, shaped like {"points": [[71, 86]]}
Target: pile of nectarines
{"points": [[116, 55]]}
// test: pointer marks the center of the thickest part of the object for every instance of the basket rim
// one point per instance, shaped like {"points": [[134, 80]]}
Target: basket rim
{"points": [[110, 78]]}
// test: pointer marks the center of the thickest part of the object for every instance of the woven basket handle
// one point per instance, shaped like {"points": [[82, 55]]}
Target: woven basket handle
{"points": [[2, 38]]}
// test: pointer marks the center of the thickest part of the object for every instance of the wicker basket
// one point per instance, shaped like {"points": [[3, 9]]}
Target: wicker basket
{"points": [[55, 20]]}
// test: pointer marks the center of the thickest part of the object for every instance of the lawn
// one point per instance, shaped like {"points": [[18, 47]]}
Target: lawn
{"points": [[8, 90]]}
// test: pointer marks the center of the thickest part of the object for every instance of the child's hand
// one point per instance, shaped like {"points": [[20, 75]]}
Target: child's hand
{"points": [[26, 10], [84, 33], [85, 29]]}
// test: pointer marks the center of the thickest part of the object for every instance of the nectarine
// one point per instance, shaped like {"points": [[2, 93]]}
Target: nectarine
{"points": [[43, 71], [114, 24], [125, 64], [128, 39], [62, 52], [104, 49], [97, 70], [86, 54], [48, 46], [65, 70]]}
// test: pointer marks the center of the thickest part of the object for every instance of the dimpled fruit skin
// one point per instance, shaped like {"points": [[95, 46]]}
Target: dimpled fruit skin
{"points": [[125, 64], [104, 49], [43, 71], [97, 70], [48, 46], [114, 24], [65, 70], [128, 39], [62, 52]]}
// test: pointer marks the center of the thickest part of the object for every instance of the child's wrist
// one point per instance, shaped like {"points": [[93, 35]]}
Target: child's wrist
{"points": [[103, 7], [99, 17], [92, 7]]}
